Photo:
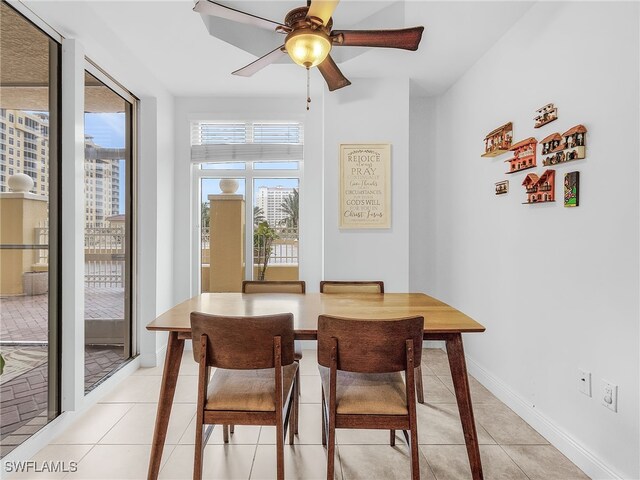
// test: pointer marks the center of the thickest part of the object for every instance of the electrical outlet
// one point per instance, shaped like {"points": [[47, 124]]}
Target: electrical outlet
{"points": [[584, 382], [609, 394]]}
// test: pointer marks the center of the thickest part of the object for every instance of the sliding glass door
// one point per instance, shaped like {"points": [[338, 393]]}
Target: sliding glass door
{"points": [[29, 228], [108, 171]]}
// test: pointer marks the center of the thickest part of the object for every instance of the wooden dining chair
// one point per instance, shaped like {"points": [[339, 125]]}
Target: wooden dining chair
{"points": [[374, 286], [274, 286], [255, 378], [360, 363], [281, 286], [331, 286]]}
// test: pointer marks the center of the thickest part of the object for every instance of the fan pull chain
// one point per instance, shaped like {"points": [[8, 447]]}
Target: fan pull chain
{"points": [[308, 94]]}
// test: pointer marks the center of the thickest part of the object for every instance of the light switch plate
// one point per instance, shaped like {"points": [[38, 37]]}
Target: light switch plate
{"points": [[609, 398]]}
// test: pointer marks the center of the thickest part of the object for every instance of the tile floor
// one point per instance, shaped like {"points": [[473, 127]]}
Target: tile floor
{"points": [[112, 441]]}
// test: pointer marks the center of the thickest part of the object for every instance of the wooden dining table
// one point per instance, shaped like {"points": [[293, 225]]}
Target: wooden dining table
{"points": [[441, 322]]}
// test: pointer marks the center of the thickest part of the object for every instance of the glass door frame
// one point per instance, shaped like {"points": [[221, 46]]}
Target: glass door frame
{"points": [[54, 338], [131, 347], [249, 174]]}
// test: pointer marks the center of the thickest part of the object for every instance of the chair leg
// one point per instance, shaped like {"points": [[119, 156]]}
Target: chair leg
{"points": [[232, 429], [419, 387], [415, 460], [298, 380], [406, 437], [225, 433], [392, 438], [331, 449], [324, 424], [280, 451], [293, 413], [296, 409], [199, 450]]}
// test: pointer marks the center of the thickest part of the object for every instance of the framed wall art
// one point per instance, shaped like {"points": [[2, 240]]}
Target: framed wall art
{"points": [[365, 186], [572, 189]]}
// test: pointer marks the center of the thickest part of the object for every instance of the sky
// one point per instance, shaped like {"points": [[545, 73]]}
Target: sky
{"points": [[108, 130]]}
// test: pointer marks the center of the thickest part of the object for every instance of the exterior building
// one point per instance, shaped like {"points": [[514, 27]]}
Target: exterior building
{"points": [[101, 182], [270, 199], [24, 148]]}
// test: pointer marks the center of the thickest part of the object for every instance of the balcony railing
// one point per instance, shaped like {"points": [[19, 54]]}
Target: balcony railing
{"points": [[284, 250], [104, 254]]}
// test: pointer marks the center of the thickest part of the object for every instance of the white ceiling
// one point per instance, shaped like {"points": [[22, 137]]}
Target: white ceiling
{"points": [[173, 44]]}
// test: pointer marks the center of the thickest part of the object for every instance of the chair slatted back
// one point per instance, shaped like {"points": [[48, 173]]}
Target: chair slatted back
{"points": [[351, 287], [284, 286], [242, 343], [371, 345]]}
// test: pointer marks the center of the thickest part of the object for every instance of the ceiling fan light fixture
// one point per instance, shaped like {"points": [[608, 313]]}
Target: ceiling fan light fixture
{"points": [[308, 48]]}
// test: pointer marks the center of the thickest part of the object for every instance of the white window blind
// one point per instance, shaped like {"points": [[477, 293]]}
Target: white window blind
{"points": [[245, 142]]}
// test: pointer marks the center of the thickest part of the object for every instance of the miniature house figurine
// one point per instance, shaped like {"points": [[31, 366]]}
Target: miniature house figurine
{"points": [[570, 147], [524, 155], [502, 187], [530, 183], [545, 115], [540, 189], [550, 143], [498, 141]]}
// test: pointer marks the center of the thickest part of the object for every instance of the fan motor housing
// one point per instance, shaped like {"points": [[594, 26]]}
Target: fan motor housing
{"points": [[297, 18]]}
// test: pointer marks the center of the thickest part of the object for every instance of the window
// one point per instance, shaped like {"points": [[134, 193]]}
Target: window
{"points": [[11, 117], [265, 160]]}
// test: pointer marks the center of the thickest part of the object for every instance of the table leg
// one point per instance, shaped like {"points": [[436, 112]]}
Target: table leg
{"points": [[458, 366], [175, 346]]}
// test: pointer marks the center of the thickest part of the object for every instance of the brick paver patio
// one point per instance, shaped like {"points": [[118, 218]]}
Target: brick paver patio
{"points": [[23, 386]]}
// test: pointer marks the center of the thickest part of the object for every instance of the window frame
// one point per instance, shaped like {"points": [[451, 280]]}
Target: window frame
{"points": [[249, 174]]}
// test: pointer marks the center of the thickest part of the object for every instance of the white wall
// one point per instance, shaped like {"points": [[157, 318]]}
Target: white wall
{"points": [[557, 288], [369, 111], [422, 193]]}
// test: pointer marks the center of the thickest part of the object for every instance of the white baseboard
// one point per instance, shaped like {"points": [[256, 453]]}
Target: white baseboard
{"points": [[562, 440]]}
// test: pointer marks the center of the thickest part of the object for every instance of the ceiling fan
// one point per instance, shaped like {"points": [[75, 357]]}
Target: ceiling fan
{"points": [[309, 37]]}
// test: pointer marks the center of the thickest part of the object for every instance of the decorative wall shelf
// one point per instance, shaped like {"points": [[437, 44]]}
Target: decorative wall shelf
{"points": [[540, 189], [546, 114], [502, 187], [524, 155], [570, 146], [498, 141]]}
